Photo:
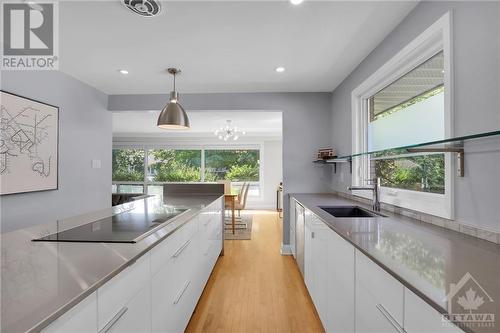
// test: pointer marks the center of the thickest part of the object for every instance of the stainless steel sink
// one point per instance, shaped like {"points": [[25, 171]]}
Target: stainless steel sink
{"points": [[350, 211]]}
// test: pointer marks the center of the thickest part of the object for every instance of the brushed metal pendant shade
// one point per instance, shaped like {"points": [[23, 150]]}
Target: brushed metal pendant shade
{"points": [[173, 116]]}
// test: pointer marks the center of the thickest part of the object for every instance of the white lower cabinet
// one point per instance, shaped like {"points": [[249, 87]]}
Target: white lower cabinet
{"points": [[174, 286], [379, 298], [115, 295], [329, 275], [158, 292], [352, 293], [82, 318], [315, 262], [340, 285], [183, 269], [134, 316], [422, 318]]}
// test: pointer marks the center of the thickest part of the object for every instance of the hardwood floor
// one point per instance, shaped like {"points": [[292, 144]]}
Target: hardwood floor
{"points": [[255, 289]]}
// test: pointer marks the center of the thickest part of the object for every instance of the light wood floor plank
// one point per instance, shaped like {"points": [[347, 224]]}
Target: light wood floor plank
{"points": [[255, 289]]}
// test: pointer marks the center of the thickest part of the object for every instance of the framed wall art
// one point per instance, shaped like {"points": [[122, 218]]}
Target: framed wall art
{"points": [[28, 145]]}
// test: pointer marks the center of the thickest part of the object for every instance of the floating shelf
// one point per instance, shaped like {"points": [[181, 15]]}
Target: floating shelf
{"points": [[452, 145], [334, 161]]}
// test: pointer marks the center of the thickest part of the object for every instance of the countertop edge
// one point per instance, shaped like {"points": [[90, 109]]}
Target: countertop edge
{"points": [[80, 297], [405, 283]]}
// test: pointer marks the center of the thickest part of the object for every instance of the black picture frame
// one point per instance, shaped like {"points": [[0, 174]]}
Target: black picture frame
{"points": [[57, 143]]}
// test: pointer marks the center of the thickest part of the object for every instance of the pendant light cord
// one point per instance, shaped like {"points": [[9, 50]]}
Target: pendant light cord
{"points": [[174, 81]]}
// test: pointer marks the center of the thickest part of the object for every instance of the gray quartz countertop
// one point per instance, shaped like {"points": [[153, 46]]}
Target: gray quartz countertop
{"points": [[42, 280], [427, 259]]}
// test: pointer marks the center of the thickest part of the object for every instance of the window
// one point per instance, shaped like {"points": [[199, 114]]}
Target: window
{"points": [[235, 165], [135, 171], [408, 111], [170, 165], [128, 165], [408, 101]]}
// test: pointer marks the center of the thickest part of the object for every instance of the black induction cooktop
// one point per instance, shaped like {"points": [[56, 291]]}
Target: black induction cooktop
{"points": [[126, 227]]}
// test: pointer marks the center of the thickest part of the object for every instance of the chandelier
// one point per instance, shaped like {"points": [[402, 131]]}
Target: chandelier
{"points": [[229, 132]]}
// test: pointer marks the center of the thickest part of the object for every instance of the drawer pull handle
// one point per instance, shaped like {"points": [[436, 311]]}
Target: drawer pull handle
{"points": [[114, 320], [179, 295], [180, 249], [390, 318]]}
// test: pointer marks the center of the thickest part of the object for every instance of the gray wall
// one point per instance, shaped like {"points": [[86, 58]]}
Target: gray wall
{"points": [[476, 44], [306, 127], [84, 134]]}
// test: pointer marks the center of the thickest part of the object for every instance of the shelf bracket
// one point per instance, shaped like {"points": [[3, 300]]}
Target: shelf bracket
{"points": [[458, 150], [335, 165]]}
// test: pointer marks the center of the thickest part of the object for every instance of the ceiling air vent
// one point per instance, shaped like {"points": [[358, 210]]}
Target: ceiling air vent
{"points": [[147, 8]]}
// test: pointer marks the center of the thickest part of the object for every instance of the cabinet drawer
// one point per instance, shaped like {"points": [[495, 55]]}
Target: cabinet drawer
{"points": [[82, 318], [420, 317], [117, 292], [174, 287], [379, 298], [135, 316], [172, 246]]}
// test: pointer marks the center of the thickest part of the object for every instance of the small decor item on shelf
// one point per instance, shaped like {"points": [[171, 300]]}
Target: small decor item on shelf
{"points": [[325, 154]]}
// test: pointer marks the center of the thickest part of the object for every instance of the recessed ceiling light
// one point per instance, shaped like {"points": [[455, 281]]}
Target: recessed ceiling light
{"points": [[296, 2], [123, 71], [280, 69]]}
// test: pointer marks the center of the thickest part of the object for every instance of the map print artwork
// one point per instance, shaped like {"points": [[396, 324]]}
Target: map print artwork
{"points": [[28, 145]]}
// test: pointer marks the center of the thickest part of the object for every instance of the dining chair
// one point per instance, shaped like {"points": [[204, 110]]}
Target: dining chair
{"points": [[242, 199]]}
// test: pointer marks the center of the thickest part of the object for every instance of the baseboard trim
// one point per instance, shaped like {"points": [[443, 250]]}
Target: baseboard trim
{"points": [[285, 250]]}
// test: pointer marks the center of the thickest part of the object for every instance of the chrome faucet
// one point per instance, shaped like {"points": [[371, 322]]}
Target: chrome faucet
{"points": [[375, 189]]}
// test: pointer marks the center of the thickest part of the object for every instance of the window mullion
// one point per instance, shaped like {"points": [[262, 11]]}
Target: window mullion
{"points": [[145, 170], [202, 164]]}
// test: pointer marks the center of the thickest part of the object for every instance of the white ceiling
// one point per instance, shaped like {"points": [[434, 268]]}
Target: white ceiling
{"points": [[256, 124], [225, 46]]}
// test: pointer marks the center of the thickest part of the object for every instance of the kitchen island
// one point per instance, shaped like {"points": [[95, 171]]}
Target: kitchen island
{"points": [[42, 281]]}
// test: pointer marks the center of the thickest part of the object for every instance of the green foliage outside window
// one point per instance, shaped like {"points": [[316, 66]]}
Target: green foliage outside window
{"points": [[172, 165], [169, 165], [417, 173], [234, 165], [128, 165]]}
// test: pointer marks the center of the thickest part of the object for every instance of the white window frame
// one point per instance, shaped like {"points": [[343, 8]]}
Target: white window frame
{"points": [[433, 40]]}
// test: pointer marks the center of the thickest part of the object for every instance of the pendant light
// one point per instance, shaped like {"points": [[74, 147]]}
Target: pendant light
{"points": [[173, 116]]}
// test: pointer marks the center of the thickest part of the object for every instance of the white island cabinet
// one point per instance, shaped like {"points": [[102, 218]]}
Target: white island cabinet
{"points": [[173, 281], [116, 300], [82, 318], [158, 292]]}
